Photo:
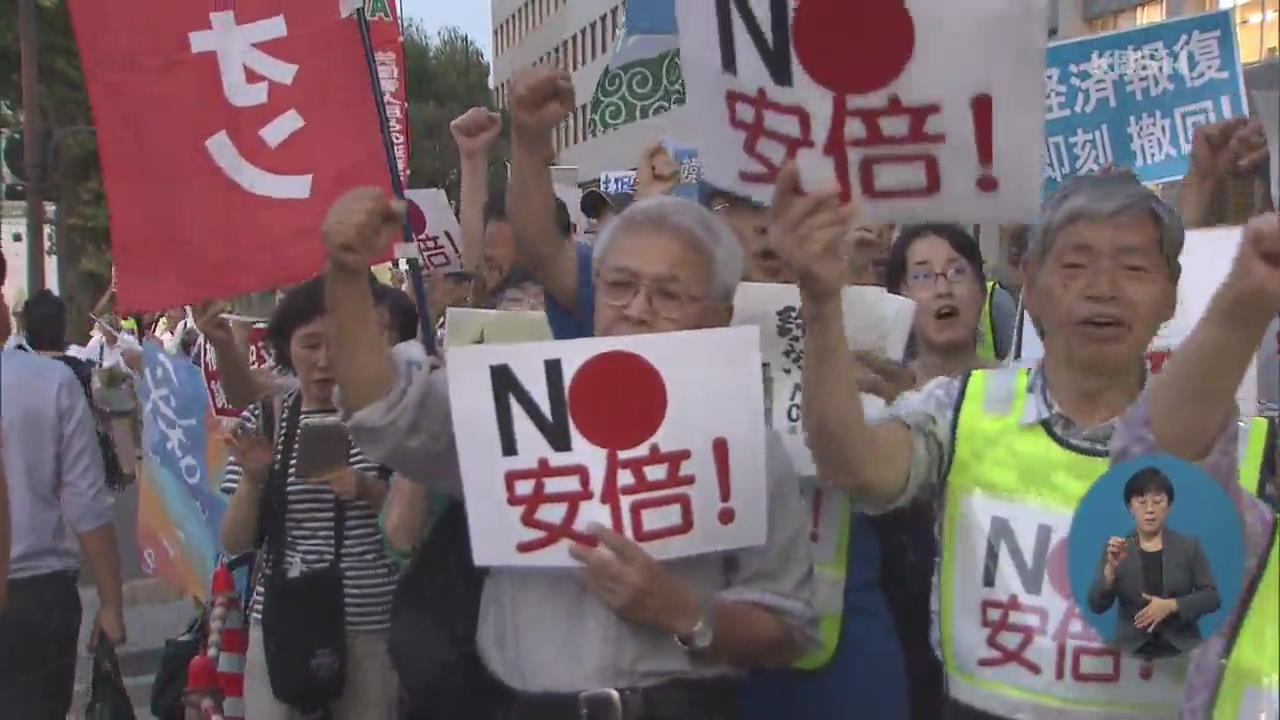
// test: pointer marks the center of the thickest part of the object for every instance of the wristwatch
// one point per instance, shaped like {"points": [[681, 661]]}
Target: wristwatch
{"points": [[698, 640]]}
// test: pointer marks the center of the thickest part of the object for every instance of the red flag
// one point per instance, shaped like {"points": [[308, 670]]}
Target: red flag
{"points": [[225, 131], [388, 55]]}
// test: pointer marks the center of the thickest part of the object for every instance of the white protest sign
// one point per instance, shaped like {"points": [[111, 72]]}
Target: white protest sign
{"points": [[874, 320], [613, 182], [660, 437], [435, 229], [924, 109], [1207, 257], [473, 326]]}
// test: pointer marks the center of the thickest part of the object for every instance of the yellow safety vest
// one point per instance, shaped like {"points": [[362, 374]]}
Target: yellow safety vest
{"points": [[986, 327], [1011, 492], [830, 541], [1250, 684]]}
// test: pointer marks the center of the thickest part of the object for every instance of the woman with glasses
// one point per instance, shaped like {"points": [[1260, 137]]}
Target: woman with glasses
{"points": [[1160, 579]]}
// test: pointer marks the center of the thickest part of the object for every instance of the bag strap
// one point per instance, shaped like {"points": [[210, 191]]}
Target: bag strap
{"points": [[277, 493]]}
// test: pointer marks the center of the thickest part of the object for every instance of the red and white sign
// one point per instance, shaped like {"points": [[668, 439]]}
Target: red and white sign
{"points": [[261, 354], [388, 57], [435, 229], [660, 437], [1013, 621], [213, 383], [226, 131], [924, 109]]}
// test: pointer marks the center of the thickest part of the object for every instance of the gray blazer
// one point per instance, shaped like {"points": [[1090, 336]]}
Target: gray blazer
{"points": [[1187, 578]]}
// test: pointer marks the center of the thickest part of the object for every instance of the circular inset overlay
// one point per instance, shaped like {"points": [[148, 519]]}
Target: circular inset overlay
{"points": [[1202, 546]]}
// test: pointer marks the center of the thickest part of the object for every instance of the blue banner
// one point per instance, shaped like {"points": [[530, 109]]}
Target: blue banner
{"points": [[1134, 98], [690, 172]]}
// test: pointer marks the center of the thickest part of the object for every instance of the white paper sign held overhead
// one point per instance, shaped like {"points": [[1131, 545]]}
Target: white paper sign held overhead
{"points": [[435, 230]]}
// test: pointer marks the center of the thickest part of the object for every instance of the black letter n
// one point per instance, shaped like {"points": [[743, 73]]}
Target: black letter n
{"points": [[776, 57], [1030, 573], [507, 386]]}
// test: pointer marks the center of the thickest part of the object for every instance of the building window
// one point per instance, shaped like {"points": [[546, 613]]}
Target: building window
{"points": [[1148, 12], [595, 48], [604, 33], [582, 42], [574, 48], [1257, 27], [613, 22]]}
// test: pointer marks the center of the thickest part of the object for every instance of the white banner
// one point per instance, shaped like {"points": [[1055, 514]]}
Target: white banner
{"points": [[874, 320], [436, 230], [924, 109], [660, 437]]}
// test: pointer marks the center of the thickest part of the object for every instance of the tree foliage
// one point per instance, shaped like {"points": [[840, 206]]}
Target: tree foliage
{"points": [[444, 74]]}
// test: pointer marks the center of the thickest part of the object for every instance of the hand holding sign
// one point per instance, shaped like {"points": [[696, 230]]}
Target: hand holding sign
{"points": [[811, 233], [541, 97], [475, 130], [635, 585], [657, 174], [360, 228]]}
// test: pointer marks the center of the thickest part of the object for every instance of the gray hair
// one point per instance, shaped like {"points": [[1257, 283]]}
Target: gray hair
{"points": [[691, 222], [1104, 197]]}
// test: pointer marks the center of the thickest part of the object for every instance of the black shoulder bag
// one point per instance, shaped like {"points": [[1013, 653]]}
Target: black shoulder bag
{"points": [[303, 623], [434, 617]]}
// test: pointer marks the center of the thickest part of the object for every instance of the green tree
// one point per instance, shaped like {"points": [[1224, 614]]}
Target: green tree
{"points": [[445, 75]]}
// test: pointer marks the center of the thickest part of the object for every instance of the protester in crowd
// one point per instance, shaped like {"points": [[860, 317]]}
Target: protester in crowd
{"points": [[114, 389], [56, 493], [307, 532], [1235, 672], [450, 290], [869, 260], [1235, 148], [999, 320], [396, 317], [1101, 276], [630, 606], [599, 207]]}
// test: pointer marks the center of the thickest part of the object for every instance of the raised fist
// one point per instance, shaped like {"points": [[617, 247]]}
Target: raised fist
{"points": [[475, 130], [360, 228], [541, 98]]}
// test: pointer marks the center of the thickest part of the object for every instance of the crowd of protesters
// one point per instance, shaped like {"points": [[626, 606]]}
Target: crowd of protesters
{"points": [[724, 635]]}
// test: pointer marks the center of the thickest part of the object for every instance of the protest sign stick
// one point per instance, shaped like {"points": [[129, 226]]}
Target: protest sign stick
{"points": [[415, 265]]}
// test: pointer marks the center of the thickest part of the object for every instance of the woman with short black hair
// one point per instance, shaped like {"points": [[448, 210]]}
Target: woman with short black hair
{"points": [[300, 525]]}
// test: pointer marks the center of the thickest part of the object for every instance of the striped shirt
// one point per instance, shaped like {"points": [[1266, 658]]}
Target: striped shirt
{"points": [[369, 576]]}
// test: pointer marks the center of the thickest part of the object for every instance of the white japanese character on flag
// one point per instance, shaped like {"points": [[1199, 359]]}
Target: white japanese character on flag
{"points": [[1055, 95], [1200, 57], [1092, 150], [1096, 82], [1189, 117], [233, 45], [1151, 138], [1057, 158], [1148, 70]]}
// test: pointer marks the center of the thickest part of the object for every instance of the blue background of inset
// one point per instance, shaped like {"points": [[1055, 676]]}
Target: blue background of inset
{"points": [[1201, 509], [1062, 55]]}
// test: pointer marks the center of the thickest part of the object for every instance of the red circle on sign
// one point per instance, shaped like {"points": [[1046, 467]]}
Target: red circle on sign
{"points": [[617, 400], [417, 219], [853, 47]]}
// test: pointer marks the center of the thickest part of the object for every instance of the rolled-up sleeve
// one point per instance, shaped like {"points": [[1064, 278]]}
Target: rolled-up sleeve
{"points": [[410, 429], [779, 574], [928, 413], [87, 504]]}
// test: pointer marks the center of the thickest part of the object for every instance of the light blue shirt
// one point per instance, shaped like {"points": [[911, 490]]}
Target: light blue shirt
{"points": [[52, 462]]}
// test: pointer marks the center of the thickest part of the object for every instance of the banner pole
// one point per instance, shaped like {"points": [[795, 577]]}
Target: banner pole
{"points": [[415, 265]]}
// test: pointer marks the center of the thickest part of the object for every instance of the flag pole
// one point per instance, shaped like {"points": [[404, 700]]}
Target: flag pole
{"points": [[415, 265]]}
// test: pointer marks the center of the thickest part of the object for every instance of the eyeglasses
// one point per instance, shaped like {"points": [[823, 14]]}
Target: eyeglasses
{"points": [[926, 278], [665, 297]]}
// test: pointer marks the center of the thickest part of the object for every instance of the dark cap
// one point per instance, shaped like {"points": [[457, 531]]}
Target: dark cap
{"points": [[714, 198], [596, 201]]}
